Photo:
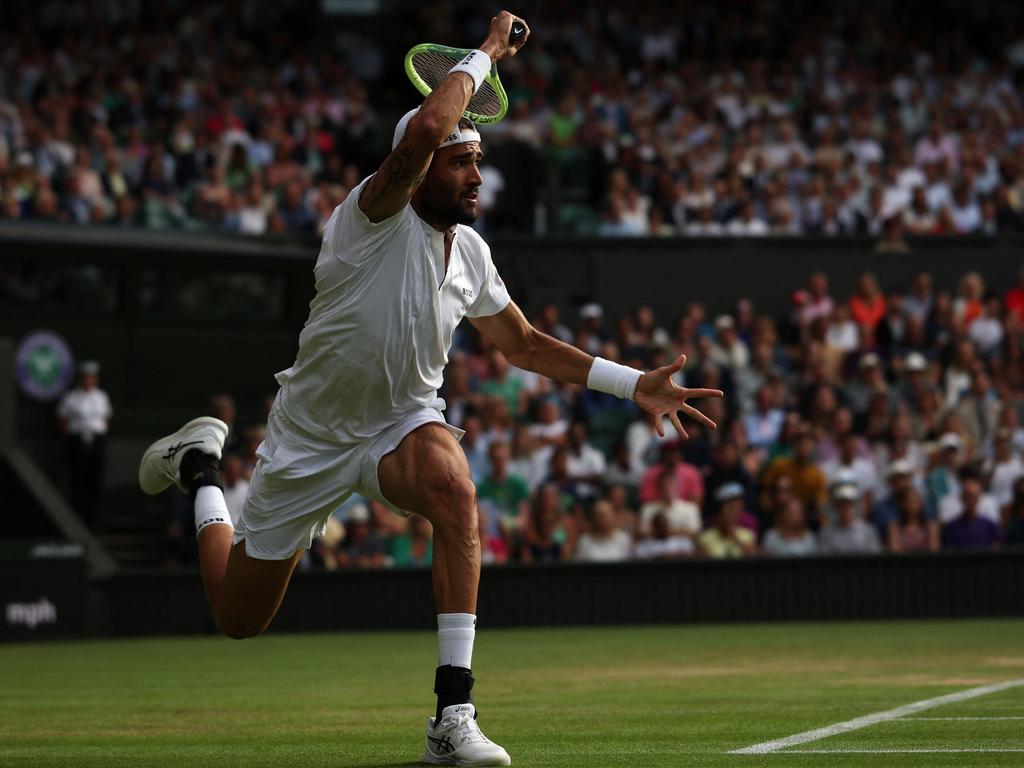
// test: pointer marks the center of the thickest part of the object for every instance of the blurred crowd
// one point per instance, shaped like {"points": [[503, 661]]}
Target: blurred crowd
{"points": [[885, 421], [730, 118]]}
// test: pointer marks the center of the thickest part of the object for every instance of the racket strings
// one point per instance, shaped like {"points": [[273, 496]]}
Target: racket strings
{"points": [[433, 67]]}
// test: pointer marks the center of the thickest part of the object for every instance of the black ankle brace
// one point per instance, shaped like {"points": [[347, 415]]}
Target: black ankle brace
{"points": [[453, 685], [199, 469]]}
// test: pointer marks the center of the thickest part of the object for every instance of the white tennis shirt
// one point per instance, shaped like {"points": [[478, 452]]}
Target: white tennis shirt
{"points": [[379, 329]]}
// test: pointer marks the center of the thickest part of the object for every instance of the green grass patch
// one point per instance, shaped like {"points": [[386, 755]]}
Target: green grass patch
{"points": [[627, 696]]}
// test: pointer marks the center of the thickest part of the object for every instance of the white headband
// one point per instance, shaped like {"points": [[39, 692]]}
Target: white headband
{"points": [[457, 136]]}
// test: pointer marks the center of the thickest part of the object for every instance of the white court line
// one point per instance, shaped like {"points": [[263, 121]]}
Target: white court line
{"points": [[913, 719], [893, 751], [878, 717]]}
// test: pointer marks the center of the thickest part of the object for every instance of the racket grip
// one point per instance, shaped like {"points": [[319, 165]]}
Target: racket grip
{"points": [[518, 32]]}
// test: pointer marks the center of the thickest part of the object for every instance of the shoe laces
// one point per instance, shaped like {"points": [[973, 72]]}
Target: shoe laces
{"points": [[465, 727]]}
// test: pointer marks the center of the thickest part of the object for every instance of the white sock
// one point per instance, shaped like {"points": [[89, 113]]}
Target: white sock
{"points": [[211, 509], [455, 633]]}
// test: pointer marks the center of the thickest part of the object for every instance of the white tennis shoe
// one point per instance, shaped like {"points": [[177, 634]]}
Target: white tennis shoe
{"points": [[161, 463], [457, 740]]}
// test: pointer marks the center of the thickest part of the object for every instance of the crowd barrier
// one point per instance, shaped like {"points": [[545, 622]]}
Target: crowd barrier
{"points": [[688, 591]]}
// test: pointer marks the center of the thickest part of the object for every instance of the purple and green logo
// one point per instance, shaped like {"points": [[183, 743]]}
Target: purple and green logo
{"points": [[43, 365]]}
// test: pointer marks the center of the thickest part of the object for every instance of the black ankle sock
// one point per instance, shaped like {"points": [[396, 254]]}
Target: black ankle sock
{"points": [[199, 469], [453, 685]]}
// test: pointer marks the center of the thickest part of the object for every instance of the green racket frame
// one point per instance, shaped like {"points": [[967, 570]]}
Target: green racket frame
{"points": [[458, 54]]}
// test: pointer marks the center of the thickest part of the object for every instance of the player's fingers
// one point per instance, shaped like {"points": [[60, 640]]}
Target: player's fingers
{"points": [[674, 418], [690, 393], [696, 415], [658, 425]]}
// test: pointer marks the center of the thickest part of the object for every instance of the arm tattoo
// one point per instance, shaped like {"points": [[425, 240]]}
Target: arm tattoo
{"points": [[398, 171]]}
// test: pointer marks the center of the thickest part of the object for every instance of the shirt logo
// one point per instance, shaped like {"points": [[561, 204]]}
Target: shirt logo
{"points": [[467, 292]]}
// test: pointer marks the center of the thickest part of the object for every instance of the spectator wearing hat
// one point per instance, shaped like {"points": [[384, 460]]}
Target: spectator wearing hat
{"points": [[734, 495], [914, 382], [592, 317], [84, 416], [790, 537], [970, 529], [727, 537], [912, 530], [899, 444], [851, 466], [849, 535], [870, 379], [729, 350], [727, 467], [899, 477]]}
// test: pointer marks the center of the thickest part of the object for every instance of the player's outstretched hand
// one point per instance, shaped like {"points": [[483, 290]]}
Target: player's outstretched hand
{"points": [[656, 393], [496, 45]]}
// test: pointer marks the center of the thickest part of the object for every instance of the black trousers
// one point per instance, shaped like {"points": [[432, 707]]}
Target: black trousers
{"points": [[86, 463]]}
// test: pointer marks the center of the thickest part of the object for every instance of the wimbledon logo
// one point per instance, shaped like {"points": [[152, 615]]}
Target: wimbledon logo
{"points": [[43, 365]]}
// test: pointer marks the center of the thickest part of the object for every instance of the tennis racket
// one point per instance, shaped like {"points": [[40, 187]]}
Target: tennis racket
{"points": [[428, 64]]}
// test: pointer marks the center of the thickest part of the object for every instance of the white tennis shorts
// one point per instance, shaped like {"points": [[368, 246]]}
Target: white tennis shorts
{"points": [[300, 479]]}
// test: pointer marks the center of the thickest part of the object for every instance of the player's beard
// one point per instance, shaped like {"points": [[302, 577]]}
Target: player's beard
{"points": [[444, 204]]}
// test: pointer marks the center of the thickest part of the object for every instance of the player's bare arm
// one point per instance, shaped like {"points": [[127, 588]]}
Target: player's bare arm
{"points": [[530, 349], [398, 177]]}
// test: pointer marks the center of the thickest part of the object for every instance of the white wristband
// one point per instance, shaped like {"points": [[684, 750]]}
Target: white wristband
{"points": [[476, 64], [615, 379]]}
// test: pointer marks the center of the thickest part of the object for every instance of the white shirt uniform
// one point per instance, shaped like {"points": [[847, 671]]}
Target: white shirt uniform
{"points": [[86, 412], [380, 327], [370, 361]]}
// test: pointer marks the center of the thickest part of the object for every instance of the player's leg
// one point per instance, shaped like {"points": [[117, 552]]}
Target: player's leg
{"points": [[244, 593], [428, 474]]}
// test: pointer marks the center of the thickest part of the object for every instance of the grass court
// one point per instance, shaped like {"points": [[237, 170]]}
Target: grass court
{"points": [[628, 696]]}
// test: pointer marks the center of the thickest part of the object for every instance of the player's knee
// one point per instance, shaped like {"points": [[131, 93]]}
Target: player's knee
{"points": [[452, 504]]}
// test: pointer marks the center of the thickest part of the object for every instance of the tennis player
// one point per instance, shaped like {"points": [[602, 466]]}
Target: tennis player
{"points": [[358, 411]]}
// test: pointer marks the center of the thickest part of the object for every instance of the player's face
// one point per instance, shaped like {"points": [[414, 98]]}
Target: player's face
{"points": [[449, 191]]}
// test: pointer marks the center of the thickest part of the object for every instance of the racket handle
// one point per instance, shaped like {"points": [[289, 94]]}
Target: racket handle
{"points": [[518, 32]]}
